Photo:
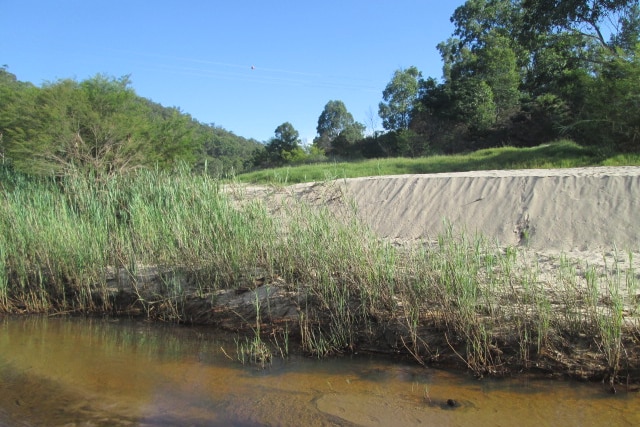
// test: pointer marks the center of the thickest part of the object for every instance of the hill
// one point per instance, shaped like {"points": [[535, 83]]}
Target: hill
{"points": [[100, 125]]}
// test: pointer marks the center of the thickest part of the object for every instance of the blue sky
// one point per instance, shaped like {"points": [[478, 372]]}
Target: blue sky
{"points": [[198, 55]]}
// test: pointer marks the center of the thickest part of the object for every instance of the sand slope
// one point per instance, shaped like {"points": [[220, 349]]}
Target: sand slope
{"points": [[579, 209], [588, 214]]}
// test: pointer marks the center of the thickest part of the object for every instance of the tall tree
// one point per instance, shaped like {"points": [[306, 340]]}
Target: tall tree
{"points": [[334, 121], [481, 83], [476, 19], [348, 137], [629, 35], [497, 66], [535, 65], [285, 141], [611, 111], [399, 99], [66, 126], [99, 126], [586, 17]]}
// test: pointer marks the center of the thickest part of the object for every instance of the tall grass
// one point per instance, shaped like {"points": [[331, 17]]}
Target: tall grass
{"points": [[496, 310], [60, 239], [345, 273]]}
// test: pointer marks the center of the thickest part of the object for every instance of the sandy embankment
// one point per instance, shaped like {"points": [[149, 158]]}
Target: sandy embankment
{"points": [[588, 214], [584, 213]]}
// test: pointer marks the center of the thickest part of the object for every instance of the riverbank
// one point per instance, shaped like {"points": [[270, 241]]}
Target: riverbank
{"points": [[565, 242], [497, 272]]}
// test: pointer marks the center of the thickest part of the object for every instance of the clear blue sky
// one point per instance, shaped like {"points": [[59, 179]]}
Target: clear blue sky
{"points": [[197, 55]]}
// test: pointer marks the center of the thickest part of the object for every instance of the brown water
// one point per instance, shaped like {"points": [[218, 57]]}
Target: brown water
{"points": [[76, 372]]}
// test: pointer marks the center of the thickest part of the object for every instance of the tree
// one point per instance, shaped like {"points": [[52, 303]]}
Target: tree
{"points": [[475, 20], [525, 71], [611, 113], [493, 61], [400, 96], [222, 152], [344, 142], [12, 92], [474, 104], [286, 140], [585, 17], [100, 126], [335, 121], [67, 126], [629, 35]]}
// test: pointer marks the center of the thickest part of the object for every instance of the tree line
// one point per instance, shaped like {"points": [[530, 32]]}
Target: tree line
{"points": [[100, 126], [515, 72]]}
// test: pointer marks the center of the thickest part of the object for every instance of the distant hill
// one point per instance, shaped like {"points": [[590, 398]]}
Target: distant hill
{"points": [[100, 125]]}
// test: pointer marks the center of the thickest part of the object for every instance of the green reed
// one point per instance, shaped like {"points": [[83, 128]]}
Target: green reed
{"points": [[343, 271], [59, 238]]}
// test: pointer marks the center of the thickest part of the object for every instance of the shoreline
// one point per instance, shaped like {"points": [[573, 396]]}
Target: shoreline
{"points": [[370, 264]]}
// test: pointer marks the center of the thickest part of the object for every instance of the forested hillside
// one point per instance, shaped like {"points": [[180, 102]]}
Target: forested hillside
{"points": [[101, 126]]}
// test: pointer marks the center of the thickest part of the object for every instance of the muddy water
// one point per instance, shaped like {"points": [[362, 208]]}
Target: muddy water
{"points": [[73, 372]]}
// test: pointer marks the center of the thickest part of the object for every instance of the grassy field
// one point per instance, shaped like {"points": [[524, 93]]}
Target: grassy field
{"points": [[561, 154]]}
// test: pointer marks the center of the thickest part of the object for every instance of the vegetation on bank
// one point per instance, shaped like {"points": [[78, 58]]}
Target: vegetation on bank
{"points": [[101, 126], [514, 72], [559, 154], [63, 242]]}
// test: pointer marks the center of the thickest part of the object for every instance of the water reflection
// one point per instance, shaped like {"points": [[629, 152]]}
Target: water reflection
{"points": [[69, 371]]}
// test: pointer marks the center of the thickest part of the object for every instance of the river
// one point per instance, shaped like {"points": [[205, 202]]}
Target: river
{"points": [[68, 371]]}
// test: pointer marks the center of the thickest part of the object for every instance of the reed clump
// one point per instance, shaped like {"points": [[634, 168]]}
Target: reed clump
{"points": [[63, 242], [70, 244]]}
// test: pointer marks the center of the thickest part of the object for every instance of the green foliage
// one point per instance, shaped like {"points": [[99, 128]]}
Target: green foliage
{"points": [[515, 72], [345, 142], [63, 237], [629, 34], [543, 118], [285, 148], [497, 66], [296, 155], [612, 106], [474, 105], [75, 244], [481, 88], [399, 98], [475, 20], [405, 143], [584, 16], [337, 129], [100, 126], [560, 154], [527, 72], [554, 57], [89, 127]]}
